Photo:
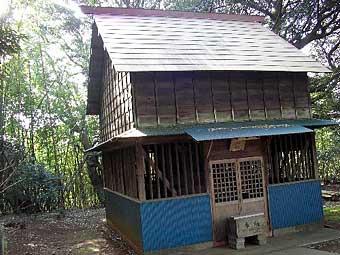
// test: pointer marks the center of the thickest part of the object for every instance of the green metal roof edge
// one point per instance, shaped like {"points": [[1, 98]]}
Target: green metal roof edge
{"points": [[180, 129]]}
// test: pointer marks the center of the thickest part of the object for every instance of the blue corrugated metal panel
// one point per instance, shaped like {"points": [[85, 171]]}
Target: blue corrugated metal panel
{"points": [[295, 204], [204, 134], [124, 213], [176, 222]]}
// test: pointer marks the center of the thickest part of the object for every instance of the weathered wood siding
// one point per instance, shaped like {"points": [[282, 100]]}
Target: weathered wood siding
{"points": [[116, 114], [163, 98], [120, 171]]}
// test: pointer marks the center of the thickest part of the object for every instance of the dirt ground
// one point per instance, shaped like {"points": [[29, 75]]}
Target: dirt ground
{"points": [[84, 232], [77, 232]]}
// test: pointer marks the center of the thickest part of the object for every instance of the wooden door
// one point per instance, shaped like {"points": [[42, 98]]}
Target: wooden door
{"points": [[237, 188]]}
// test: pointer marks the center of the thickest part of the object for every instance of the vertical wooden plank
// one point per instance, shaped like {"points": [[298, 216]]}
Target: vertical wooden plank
{"points": [[276, 160], [301, 92], [195, 96], [149, 174], [133, 171], [156, 97], [145, 99], [203, 97], [303, 156], [314, 170], [198, 172], [239, 96], [282, 156], [291, 140], [247, 96], [171, 173], [121, 165], [157, 173], [308, 159], [178, 171], [185, 97], [134, 104], [165, 98], [271, 95], [294, 95], [255, 96], [175, 97], [221, 97], [212, 97], [287, 153], [231, 97], [163, 171], [185, 170], [191, 170], [140, 172]]}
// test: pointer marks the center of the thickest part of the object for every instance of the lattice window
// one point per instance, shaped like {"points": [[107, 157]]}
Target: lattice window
{"points": [[224, 181], [251, 179]]}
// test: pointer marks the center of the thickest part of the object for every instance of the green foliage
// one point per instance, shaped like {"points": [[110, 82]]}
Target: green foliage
{"points": [[9, 40], [36, 190], [44, 95], [328, 145], [332, 214]]}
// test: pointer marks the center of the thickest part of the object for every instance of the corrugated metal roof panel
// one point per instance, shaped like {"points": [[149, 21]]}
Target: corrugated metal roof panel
{"points": [[184, 129], [137, 43], [206, 134]]}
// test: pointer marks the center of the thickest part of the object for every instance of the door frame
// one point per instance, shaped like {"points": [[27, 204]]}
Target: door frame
{"points": [[240, 199]]}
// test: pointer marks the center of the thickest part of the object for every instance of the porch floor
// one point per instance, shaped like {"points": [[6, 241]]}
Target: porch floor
{"points": [[286, 244]]}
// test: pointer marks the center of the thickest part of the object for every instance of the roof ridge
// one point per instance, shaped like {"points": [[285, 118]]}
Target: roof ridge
{"points": [[168, 13]]}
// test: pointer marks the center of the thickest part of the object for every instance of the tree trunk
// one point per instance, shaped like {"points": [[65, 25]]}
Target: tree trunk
{"points": [[94, 167]]}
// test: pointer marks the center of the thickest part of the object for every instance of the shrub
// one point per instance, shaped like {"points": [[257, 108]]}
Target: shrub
{"points": [[36, 189]]}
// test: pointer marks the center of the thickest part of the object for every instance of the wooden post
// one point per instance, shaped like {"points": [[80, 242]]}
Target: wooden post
{"points": [[163, 171], [148, 174], [140, 172], [314, 158], [171, 171], [157, 172], [185, 170], [191, 170], [198, 168], [178, 171]]}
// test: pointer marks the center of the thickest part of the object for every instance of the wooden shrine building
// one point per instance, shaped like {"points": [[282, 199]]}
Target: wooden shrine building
{"points": [[203, 117]]}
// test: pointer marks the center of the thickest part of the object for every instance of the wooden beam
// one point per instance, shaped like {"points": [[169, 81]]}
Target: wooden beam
{"points": [[198, 172], [178, 170], [172, 186], [191, 170], [185, 171], [140, 169], [160, 173], [315, 170], [148, 173], [157, 172]]}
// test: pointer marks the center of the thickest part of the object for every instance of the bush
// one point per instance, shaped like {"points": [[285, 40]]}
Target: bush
{"points": [[35, 189]]}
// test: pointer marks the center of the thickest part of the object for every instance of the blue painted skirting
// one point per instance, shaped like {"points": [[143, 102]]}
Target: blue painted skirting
{"points": [[176, 222], [124, 214], [295, 204], [160, 224]]}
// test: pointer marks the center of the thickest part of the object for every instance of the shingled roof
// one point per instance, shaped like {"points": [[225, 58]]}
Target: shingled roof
{"points": [[139, 40], [146, 40]]}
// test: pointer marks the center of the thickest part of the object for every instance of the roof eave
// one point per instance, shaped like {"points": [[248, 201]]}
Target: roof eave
{"points": [[169, 13]]}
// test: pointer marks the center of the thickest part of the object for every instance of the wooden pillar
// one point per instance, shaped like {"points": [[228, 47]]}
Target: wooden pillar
{"points": [[140, 172], [314, 158]]}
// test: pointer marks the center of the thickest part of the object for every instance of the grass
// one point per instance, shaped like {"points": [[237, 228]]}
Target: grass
{"points": [[332, 214]]}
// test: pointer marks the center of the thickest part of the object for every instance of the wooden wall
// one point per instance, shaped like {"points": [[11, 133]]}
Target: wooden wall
{"points": [[168, 98], [120, 171], [116, 114]]}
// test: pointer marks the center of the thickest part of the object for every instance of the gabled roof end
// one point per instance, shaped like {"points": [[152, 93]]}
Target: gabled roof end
{"points": [[171, 14]]}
